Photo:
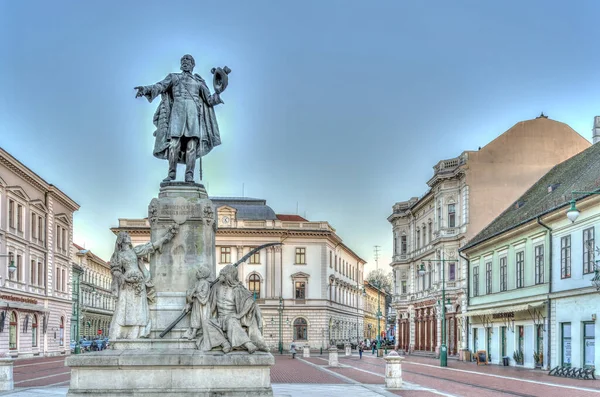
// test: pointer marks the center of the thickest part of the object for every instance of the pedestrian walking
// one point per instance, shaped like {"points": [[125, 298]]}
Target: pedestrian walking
{"points": [[360, 350], [373, 346], [293, 350]]}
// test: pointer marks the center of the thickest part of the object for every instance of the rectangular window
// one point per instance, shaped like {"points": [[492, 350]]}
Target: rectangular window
{"points": [[225, 255], [430, 233], [33, 229], [418, 239], [476, 281], [488, 278], [475, 339], [255, 258], [58, 236], [300, 256], [566, 344], [57, 286], [589, 345], [451, 215], [439, 216], [565, 257], [19, 270], [300, 289], [403, 245], [65, 237], [64, 280], [403, 284], [330, 261], [40, 226], [588, 250], [20, 218], [34, 333], [451, 271], [503, 274], [539, 264], [11, 213], [425, 235], [11, 275], [32, 271], [41, 274], [520, 271]]}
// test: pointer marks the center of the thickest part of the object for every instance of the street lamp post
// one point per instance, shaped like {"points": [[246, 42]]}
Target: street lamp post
{"points": [[443, 347], [280, 310], [378, 316]]}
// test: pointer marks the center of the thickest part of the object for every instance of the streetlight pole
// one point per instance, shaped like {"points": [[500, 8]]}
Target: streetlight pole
{"points": [[280, 310], [378, 316]]}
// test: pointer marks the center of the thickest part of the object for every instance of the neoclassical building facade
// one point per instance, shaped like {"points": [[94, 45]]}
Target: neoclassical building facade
{"points": [[96, 304], [309, 289], [375, 308], [464, 194], [36, 229]]}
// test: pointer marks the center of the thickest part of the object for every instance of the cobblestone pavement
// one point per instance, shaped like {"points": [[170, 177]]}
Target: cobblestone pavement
{"points": [[295, 377]]}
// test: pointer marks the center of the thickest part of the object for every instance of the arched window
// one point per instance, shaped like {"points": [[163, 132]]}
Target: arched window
{"points": [[254, 285], [61, 341], [300, 329], [12, 332], [34, 331]]}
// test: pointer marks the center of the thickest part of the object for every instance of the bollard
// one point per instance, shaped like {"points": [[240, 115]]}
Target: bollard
{"points": [[393, 370], [333, 357], [6, 374], [348, 349], [306, 351]]}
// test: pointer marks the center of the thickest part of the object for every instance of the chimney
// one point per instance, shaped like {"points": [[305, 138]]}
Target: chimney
{"points": [[596, 130]]}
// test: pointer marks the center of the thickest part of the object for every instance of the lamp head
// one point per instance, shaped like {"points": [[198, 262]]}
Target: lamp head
{"points": [[573, 212], [11, 265], [422, 269]]}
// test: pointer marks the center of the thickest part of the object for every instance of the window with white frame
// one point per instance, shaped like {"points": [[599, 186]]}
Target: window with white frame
{"points": [[255, 259], [19, 271], [488, 277], [451, 271], [565, 257], [475, 280], [503, 274], [41, 274], [403, 245], [19, 217], [539, 264], [301, 256], [11, 213], [418, 239], [225, 255], [520, 268], [451, 215], [588, 250]]}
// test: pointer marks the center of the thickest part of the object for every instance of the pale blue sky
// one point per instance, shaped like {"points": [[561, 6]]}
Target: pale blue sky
{"points": [[339, 107]]}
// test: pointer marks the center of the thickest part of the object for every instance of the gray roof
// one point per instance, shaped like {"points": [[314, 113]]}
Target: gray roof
{"points": [[251, 209], [551, 192]]}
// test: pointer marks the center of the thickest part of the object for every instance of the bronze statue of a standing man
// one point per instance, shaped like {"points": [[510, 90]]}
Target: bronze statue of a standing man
{"points": [[186, 125]]}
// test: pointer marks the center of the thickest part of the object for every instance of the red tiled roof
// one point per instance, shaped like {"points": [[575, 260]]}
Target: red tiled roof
{"points": [[291, 218]]}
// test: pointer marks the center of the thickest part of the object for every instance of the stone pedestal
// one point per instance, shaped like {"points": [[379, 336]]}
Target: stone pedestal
{"points": [[393, 370], [333, 357], [306, 352], [348, 349], [6, 374], [170, 373], [173, 271]]}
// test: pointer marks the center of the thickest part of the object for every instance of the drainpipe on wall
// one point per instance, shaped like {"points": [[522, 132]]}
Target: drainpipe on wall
{"points": [[467, 298], [548, 310]]}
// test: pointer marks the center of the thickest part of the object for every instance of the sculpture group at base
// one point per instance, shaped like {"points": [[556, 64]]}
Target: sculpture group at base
{"points": [[223, 313]]}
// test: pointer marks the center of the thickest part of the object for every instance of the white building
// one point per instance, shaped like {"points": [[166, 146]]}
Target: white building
{"points": [[309, 289], [36, 228]]}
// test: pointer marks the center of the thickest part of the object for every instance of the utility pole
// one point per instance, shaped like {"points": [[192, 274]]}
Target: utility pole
{"points": [[376, 248]]}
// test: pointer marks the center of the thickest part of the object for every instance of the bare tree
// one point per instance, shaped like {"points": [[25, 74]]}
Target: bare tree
{"points": [[379, 277]]}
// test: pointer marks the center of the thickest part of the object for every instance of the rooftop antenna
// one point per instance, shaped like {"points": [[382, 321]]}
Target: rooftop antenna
{"points": [[243, 190], [376, 248]]}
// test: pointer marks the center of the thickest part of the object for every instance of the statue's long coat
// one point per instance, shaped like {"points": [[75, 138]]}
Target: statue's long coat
{"points": [[162, 118]]}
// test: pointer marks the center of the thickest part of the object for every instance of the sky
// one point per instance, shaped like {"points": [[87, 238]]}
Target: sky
{"points": [[335, 109]]}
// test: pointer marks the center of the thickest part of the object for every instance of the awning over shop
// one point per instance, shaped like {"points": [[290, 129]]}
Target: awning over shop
{"points": [[502, 309]]}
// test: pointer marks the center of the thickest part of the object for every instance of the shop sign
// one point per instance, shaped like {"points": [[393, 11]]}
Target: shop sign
{"points": [[503, 315], [19, 299]]}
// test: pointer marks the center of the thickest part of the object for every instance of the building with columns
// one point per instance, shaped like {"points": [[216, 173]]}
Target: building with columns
{"points": [[36, 229], [464, 194], [96, 304], [309, 289]]}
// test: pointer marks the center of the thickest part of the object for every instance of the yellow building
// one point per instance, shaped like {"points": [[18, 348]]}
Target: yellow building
{"points": [[374, 301]]}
